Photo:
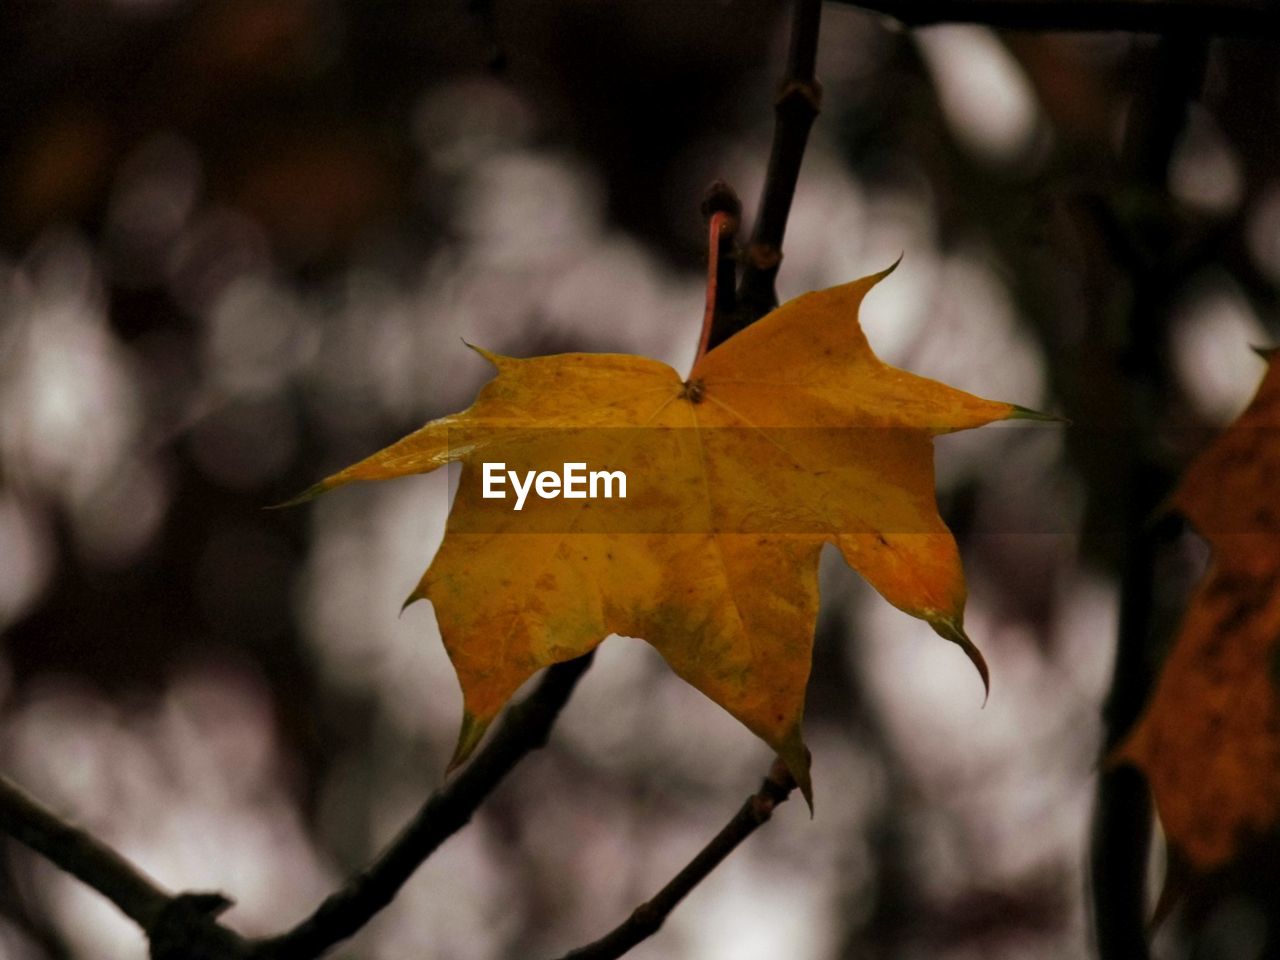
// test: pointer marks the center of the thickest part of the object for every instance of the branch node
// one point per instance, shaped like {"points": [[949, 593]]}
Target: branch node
{"points": [[761, 807], [647, 919], [187, 929], [800, 92], [764, 256]]}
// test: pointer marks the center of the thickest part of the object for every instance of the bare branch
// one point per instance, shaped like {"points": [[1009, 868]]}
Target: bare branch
{"points": [[1246, 18], [186, 926], [174, 925], [524, 728], [80, 854], [799, 100], [647, 918]]}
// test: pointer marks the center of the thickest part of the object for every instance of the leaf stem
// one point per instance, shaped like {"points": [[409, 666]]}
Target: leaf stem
{"points": [[722, 209]]}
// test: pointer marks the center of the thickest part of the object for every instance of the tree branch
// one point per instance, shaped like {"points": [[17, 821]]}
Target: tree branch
{"points": [[524, 728], [183, 926], [80, 854], [647, 918], [1247, 18], [797, 105]]}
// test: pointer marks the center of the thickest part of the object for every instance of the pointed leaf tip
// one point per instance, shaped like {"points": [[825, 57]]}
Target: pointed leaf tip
{"points": [[877, 277], [310, 493], [411, 599], [493, 358], [469, 737], [795, 757], [952, 630], [1026, 413]]}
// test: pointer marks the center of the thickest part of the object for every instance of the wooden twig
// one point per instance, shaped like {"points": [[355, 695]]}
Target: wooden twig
{"points": [[182, 926], [81, 854], [647, 918], [1245, 18], [176, 924], [797, 105], [524, 728]]}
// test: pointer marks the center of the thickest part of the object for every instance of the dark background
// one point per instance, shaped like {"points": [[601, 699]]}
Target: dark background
{"points": [[239, 244]]}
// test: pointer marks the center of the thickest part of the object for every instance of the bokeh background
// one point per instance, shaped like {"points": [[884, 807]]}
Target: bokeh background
{"points": [[241, 242]]}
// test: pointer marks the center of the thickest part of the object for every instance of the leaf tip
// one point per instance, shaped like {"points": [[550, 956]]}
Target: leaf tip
{"points": [[494, 358], [310, 493], [951, 628], [796, 758], [1026, 413], [1266, 353], [415, 595], [469, 737], [877, 277]]}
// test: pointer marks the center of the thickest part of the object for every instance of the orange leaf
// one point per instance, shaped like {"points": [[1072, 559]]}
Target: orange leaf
{"points": [[790, 435], [1209, 741]]}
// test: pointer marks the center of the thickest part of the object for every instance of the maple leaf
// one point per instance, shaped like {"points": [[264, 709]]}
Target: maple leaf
{"points": [[1208, 742], [789, 435]]}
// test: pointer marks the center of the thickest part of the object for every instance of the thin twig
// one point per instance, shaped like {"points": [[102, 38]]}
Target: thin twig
{"points": [[81, 854], [524, 728], [797, 105], [1246, 18], [185, 925], [647, 918], [182, 927]]}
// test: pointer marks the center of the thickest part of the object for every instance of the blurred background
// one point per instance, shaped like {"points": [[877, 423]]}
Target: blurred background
{"points": [[241, 242]]}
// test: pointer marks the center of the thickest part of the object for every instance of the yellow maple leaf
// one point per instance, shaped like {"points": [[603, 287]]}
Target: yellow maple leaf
{"points": [[1209, 740], [789, 435]]}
